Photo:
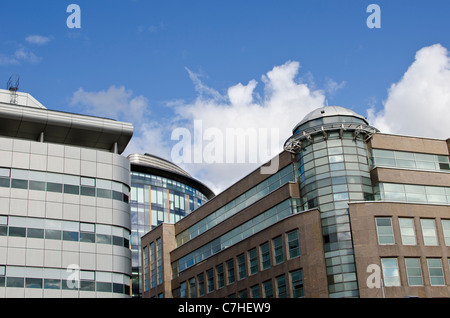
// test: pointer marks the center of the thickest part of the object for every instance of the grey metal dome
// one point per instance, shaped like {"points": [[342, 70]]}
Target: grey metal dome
{"points": [[328, 111]]}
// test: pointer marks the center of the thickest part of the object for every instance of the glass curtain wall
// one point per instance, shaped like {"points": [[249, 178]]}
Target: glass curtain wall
{"points": [[155, 200], [334, 169]]}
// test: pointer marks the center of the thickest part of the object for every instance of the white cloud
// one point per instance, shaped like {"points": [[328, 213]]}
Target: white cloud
{"points": [[114, 103], [419, 103], [285, 102], [38, 39], [20, 55], [331, 86]]}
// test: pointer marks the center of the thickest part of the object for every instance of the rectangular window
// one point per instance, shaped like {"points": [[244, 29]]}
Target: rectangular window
{"points": [[183, 290], [54, 187], [293, 244], [384, 231], [281, 286], [17, 231], [33, 283], [435, 271], [242, 270], [87, 191], [35, 233], [230, 271], [390, 272], [268, 289], [446, 230], [413, 271], [52, 283], [192, 291], [210, 277], [37, 185], [70, 236], [255, 291], [19, 184], [201, 284], [297, 284], [87, 237], [429, 232], [220, 276], [71, 189], [278, 250], [15, 282], [407, 231], [146, 268], [253, 260], [265, 256]]}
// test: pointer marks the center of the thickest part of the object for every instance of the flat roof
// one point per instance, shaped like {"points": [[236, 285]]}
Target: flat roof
{"points": [[27, 122]]}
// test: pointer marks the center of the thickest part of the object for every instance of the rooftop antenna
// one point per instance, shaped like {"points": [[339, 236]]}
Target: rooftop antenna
{"points": [[13, 86]]}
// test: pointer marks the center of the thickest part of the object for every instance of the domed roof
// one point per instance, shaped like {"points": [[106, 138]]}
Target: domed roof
{"points": [[328, 111]]}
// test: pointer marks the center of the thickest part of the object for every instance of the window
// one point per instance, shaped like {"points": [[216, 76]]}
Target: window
{"points": [[201, 284], [429, 232], [183, 290], [390, 272], [17, 231], [281, 285], [278, 250], [242, 270], [297, 284], [268, 289], [33, 283], [407, 231], [255, 291], [446, 230], [210, 277], [192, 291], [413, 271], [230, 271], [435, 271], [253, 260], [384, 231], [265, 256], [220, 276], [293, 244]]}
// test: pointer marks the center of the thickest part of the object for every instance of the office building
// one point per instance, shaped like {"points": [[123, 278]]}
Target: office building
{"points": [[351, 212], [161, 192], [64, 202]]}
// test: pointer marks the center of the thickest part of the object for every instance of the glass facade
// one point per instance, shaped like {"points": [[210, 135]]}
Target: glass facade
{"points": [[334, 169], [244, 200], [245, 230], [409, 160], [154, 200]]}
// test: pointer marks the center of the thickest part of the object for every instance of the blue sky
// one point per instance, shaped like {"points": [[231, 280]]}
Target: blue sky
{"points": [[155, 56]]}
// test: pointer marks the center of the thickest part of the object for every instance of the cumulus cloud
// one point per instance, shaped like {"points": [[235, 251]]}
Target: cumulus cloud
{"points": [[241, 123], [114, 103], [418, 104]]}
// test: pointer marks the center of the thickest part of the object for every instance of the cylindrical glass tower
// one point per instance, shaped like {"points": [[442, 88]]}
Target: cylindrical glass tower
{"points": [[333, 166], [161, 192]]}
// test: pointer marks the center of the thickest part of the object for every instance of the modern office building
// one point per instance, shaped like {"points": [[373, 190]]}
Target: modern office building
{"points": [[64, 202], [161, 192], [351, 212]]}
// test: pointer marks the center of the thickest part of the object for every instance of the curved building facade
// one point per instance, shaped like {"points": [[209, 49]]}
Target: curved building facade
{"points": [[333, 166], [161, 192], [64, 204]]}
